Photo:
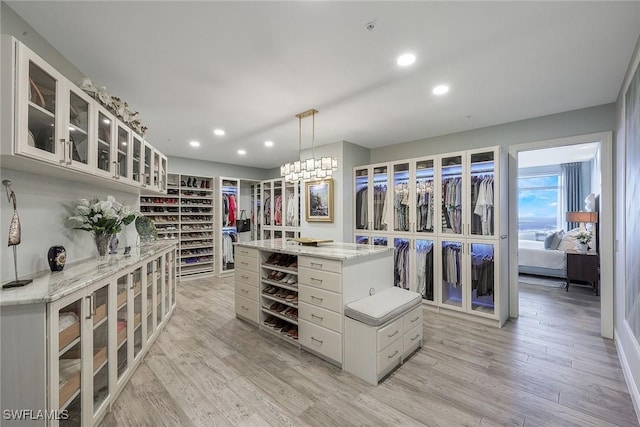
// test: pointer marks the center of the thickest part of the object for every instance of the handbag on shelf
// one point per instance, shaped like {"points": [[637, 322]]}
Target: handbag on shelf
{"points": [[243, 224]]}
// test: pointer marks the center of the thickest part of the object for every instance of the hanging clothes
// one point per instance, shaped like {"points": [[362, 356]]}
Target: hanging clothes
{"points": [[401, 207], [277, 214], [227, 249], [452, 204], [380, 207], [482, 205], [401, 264], [482, 270], [291, 209], [424, 205], [362, 208], [451, 264], [266, 212], [424, 269]]}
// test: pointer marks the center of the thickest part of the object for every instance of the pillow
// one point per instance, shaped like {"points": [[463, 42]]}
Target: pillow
{"points": [[548, 240], [553, 240], [569, 240]]}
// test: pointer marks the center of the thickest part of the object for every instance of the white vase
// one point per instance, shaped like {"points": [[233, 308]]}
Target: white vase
{"points": [[581, 247]]}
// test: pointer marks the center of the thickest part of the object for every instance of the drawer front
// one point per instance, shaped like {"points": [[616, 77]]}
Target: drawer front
{"points": [[390, 356], [247, 291], [320, 264], [246, 276], [320, 316], [412, 319], [247, 309], [389, 334], [320, 298], [246, 252], [320, 279], [320, 340], [247, 263], [412, 340]]}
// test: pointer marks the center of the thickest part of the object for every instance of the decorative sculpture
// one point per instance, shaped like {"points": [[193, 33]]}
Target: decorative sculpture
{"points": [[14, 236]]}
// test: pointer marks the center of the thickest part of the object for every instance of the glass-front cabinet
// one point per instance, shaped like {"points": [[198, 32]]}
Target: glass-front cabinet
{"points": [[425, 270], [78, 130], [371, 198], [425, 196], [137, 160], [453, 277], [105, 135], [149, 293], [122, 157], [99, 327], [481, 200], [147, 177], [452, 197], [136, 310], [122, 307]]}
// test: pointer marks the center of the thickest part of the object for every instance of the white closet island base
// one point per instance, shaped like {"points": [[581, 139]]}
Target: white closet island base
{"points": [[298, 292]]}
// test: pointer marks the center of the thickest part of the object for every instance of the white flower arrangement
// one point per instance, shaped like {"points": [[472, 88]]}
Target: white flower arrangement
{"points": [[102, 217], [584, 237]]}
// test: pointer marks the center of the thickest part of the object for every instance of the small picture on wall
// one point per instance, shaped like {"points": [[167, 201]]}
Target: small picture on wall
{"points": [[319, 200]]}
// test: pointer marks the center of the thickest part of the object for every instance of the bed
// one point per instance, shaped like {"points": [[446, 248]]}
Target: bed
{"points": [[533, 258]]}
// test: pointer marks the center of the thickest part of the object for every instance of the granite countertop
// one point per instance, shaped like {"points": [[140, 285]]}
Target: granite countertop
{"points": [[48, 287], [340, 251]]}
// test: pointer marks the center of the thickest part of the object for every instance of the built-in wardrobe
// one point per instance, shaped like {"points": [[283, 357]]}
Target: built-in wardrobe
{"points": [[446, 216]]}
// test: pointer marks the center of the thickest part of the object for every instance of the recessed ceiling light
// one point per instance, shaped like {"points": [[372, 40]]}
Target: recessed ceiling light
{"points": [[194, 144], [219, 132], [440, 89], [268, 143], [242, 152], [406, 59]]}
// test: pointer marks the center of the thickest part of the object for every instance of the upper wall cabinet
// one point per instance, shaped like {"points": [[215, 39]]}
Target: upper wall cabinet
{"points": [[50, 126]]}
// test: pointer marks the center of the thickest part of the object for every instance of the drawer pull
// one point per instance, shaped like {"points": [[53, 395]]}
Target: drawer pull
{"points": [[244, 290], [317, 317], [393, 355], [415, 319], [315, 297], [313, 279], [316, 264], [317, 340], [247, 278], [244, 308], [415, 338], [393, 334], [244, 263]]}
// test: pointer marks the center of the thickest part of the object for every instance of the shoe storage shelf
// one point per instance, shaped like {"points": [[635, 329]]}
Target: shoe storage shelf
{"points": [[298, 292], [52, 127], [185, 215], [71, 342], [446, 217]]}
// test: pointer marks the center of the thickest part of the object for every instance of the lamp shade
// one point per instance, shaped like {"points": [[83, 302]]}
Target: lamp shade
{"points": [[582, 217]]}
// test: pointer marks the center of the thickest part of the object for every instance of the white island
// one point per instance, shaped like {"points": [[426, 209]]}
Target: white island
{"points": [[299, 292]]}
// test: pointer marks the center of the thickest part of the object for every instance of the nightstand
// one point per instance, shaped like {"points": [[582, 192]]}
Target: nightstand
{"points": [[585, 267]]}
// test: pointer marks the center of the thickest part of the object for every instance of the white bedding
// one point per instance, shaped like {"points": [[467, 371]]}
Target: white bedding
{"points": [[533, 254]]}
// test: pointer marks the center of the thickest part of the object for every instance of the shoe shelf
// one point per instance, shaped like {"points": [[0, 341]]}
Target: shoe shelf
{"points": [[196, 246], [184, 255], [290, 303], [277, 331], [289, 286]]}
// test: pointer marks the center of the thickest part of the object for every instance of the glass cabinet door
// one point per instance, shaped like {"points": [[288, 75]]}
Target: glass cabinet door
{"points": [[136, 291], [137, 160], [277, 203], [150, 285], [78, 128], [156, 169], [148, 160], [452, 194], [401, 199], [401, 267], [39, 92], [159, 277], [267, 204], [167, 283], [379, 198], [291, 204], [163, 174], [452, 274], [69, 330], [172, 276], [122, 289], [100, 347], [123, 148], [362, 198], [425, 269], [424, 196], [481, 195], [105, 128], [482, 277]]}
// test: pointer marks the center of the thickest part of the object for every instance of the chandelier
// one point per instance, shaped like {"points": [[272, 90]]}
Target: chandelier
{"points": [[311, 168]]}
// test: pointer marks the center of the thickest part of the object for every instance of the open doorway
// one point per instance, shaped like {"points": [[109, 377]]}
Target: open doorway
{"points": [[548, 179]]}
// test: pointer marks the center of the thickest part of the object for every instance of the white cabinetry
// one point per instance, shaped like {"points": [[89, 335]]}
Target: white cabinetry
{"points": [[279, 209], [49, 120], [448, 224]]}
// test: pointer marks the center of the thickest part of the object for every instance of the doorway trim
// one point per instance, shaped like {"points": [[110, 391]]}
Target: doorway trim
{"points": [[605, 224]]}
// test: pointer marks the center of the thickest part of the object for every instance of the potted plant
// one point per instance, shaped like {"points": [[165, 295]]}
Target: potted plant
{"points": [[582, 240]]}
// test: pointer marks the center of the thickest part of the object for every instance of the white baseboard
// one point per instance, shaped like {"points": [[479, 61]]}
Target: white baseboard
{"points": [[628, 376]]}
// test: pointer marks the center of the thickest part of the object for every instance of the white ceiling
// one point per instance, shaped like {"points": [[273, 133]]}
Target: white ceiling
{"points": [[558, 155], [249, 67]]}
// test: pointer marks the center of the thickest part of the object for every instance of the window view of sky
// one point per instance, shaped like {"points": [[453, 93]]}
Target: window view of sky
{"points": [[538, 202]]}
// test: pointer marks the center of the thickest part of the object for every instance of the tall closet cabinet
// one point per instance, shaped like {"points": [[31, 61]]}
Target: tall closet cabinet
{"points": [[278, 204], [447, 218]]}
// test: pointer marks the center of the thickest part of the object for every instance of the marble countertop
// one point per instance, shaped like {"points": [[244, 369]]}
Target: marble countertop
{"points": [[340, 251], [48, 287]]}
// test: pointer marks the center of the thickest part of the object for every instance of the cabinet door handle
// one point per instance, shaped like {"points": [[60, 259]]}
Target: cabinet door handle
{"points": [[115, 169], [393, 355], [415, 338], [244, 290], [143, 180], [64, 151], [70, 156], [415, 319], [245, 277], [244, 308], [393, 334], [317, 298], [317, 340], [92, 306]]}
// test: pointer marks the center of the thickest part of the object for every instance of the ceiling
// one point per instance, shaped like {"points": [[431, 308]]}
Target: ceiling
{"points": [[249, 67], [558, 155]]}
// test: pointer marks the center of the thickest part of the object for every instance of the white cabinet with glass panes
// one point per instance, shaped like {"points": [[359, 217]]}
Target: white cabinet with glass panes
{"points": [[279, 209], [447, 221], [47, 118]]}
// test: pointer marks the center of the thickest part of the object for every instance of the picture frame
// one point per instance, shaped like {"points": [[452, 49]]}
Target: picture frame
{"points": [[319, 200]]}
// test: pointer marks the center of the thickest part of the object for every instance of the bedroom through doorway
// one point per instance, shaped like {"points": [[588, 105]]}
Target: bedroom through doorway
{"points": [[555, 187]]}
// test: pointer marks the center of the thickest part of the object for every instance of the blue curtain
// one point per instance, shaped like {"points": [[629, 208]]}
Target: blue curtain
{"points": [[572, 175]]}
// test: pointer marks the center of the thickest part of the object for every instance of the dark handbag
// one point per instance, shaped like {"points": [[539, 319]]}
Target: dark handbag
{"points": [[243, 224]]}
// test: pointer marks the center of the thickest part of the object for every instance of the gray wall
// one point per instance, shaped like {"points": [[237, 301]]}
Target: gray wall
{"points": [[204, 168], [578, 122]]}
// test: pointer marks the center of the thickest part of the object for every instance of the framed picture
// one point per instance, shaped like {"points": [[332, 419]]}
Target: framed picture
{"points": [[319, 200]]}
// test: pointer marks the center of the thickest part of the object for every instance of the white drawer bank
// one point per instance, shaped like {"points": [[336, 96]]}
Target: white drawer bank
{"points": [[381, 331], [328, 277]]}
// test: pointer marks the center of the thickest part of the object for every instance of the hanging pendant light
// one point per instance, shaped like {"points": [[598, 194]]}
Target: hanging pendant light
{"points": [[311, 168]]}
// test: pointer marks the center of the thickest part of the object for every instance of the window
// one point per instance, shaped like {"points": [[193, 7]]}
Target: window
{"points": [[539, 205]]}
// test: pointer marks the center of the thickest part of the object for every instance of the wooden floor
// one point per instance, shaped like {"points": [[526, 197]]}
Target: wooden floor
{"points": [[550, 367]]}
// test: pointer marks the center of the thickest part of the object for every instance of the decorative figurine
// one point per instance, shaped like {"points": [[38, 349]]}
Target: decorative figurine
{"points": [[57, 257], [14, 236]]}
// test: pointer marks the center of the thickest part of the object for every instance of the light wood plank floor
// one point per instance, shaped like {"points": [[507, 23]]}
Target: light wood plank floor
{"points": [[548, 368]]}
